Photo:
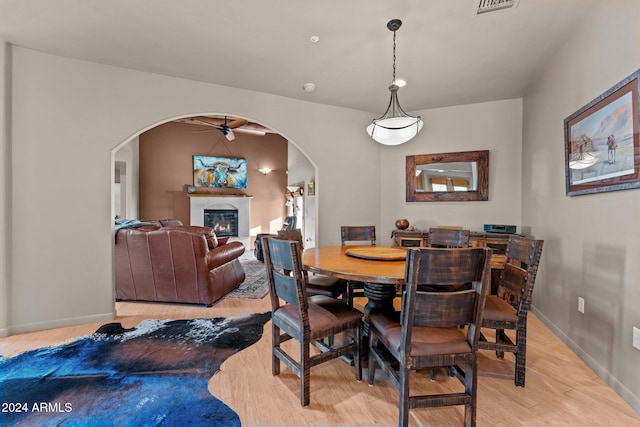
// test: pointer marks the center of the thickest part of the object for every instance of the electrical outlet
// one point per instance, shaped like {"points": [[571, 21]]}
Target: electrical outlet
{"points": [[636, 338], [581, 305]]}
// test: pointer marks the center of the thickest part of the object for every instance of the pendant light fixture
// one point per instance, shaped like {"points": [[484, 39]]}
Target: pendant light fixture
{"points": [[394, 127]]}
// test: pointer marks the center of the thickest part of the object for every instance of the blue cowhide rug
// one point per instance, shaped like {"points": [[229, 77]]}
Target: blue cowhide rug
{"points": [[153, 374]]}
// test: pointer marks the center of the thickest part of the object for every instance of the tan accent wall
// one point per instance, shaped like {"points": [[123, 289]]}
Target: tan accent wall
{"points": [[166, 170]]}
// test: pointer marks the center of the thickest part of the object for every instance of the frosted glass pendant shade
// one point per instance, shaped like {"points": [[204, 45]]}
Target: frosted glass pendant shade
{"points": [[394, 130]]}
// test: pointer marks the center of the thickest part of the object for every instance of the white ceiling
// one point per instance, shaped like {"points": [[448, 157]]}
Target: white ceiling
{"points": [[447, 55]]}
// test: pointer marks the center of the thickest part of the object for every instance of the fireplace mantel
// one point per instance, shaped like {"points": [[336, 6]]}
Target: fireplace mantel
{"points": [[211, 195], [198, 202]]}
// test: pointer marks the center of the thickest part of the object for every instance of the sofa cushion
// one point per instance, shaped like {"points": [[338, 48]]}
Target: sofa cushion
{"points": [[212, 239], [166, 222]]}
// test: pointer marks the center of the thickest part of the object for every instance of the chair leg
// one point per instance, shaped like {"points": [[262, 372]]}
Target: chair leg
{"points": [[330, 341], [357, 355], [499, 332], [372, 359], [471, 388], [404, 397], [275, 343], [521, 357], [305, 374]]}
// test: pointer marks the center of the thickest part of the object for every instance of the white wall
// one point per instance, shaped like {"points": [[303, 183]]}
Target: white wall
{"points": [[68, 116], [592, 242], [5, 186], [494, 126]]}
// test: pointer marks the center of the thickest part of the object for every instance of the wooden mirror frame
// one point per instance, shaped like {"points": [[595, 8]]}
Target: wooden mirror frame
{"points": [[482, 193]]}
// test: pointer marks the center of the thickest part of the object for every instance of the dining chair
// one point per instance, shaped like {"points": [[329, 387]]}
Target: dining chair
{"points": [[289, 223], [317, 284], [426, 334], [357, 234], [308, 320], [508, 309], [448, 238]]}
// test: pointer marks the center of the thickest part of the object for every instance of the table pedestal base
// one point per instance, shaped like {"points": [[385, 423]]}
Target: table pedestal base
{"points": [[380, 299]]}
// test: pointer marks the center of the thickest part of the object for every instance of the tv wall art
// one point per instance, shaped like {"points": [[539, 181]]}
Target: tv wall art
{"points": [[219, 172]]}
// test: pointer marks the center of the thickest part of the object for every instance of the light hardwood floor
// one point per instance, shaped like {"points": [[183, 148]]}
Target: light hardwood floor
{"points": [[560, 389]]}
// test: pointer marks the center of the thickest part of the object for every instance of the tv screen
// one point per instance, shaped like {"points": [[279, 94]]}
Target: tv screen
{"points": [[219, 172]]}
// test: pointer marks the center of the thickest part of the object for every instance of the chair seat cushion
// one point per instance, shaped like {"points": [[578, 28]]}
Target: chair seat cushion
{"points": [[326, 317], [425, 341], [497, 309], [325, 285]]}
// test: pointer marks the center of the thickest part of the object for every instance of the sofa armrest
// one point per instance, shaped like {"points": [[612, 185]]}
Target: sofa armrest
{"points": [[224, 254]]}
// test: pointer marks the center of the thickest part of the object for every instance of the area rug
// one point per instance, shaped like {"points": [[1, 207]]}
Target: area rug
{"points": [[256, 284], [154, 374]]}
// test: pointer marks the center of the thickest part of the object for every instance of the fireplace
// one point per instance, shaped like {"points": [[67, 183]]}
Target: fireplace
{"points": [[223, 221], [199, 203]]}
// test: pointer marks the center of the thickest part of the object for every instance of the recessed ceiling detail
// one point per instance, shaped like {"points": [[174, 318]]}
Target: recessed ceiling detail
{"points": [[485, 6]]}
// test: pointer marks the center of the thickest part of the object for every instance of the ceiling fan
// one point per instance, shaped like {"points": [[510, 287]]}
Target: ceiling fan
{"points": [[228, 127]]}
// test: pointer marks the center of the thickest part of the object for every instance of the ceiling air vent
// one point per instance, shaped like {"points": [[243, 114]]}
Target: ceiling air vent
{"points": [[486, 6]]}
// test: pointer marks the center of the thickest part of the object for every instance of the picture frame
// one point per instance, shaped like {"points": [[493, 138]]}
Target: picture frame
{"points": [[601, 142], [219, 172], [423, 170]]}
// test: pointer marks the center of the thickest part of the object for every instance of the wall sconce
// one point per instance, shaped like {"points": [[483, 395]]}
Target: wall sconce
{"points": [[264, 171]]}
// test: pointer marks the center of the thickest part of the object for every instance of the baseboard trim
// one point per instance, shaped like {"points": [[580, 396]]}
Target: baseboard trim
{"points": [[58, 323]]}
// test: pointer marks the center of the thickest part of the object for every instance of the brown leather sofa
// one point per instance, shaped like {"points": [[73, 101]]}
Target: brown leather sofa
{"points": [[175, 263]]}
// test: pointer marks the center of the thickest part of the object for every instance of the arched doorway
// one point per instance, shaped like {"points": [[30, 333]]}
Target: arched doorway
{"points": [[153, 173]]}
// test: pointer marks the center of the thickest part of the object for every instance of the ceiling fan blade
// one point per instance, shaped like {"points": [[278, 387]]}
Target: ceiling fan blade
{"points": [[237, 123], [206, 122], [251, 131]]}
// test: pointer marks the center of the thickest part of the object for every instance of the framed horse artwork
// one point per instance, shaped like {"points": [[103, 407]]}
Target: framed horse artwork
{"points": [[601, 144]]}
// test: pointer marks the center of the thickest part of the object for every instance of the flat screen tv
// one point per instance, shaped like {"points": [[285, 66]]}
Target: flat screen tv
{"points": [[219, 172]]}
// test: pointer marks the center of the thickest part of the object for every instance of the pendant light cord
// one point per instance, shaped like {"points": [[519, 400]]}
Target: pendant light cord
{"points": [[394, 59]]}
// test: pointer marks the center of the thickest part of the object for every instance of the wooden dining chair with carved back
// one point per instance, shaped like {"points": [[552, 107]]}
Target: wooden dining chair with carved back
{"points": [[317, 284], [448, 238], [509, 308], [358, 234], [425, 333], [308, 320]]}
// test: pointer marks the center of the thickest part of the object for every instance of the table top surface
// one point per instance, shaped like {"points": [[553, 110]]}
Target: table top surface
{"points": [[334, 261], [379, 253]]}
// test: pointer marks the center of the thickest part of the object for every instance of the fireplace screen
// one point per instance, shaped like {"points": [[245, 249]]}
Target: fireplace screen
{"points": [[223, 221]]}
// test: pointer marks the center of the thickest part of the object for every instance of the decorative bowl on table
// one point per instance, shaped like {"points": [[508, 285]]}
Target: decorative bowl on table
{"points": [[402, 224]]}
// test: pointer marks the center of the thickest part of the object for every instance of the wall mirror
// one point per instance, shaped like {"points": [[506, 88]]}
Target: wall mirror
{"points": [[462, 176]]}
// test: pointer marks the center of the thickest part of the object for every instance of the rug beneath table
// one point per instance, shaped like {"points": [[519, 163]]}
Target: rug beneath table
{"points": [[256, 284], [154, 374]]}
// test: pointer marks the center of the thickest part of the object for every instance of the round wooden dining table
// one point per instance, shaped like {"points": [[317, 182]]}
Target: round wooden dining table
{"points": [[381, 268]]}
